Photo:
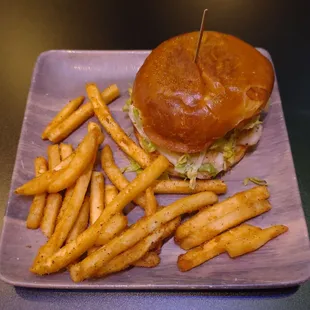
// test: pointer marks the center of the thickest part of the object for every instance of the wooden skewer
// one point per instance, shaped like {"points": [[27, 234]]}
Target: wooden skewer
{"points": [[200, 33]]}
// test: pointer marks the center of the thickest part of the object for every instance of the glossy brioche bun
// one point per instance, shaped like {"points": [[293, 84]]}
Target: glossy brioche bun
{"points": [[185, 106]]}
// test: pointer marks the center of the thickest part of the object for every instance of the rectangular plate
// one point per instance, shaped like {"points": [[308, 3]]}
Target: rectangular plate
{"points": [[60, 76]]}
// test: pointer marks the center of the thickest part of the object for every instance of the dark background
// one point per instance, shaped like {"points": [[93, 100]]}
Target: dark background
{"points": [[28, 28]]}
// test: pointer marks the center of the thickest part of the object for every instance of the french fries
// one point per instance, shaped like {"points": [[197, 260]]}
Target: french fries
{"points": [[237, 241], [230, 220], [116, 132], [149, 260], [53, 155], [53, 203], [78, 117], [63, 114], [89, 235], [110, 192], [81, 222], [117, 223], [40, 184], [127, 258], [182, 187], [84, 153], [151, 203], [73, 250], [65, 150], [91, 264], [115, 175], [37, 207], [96, 196], [243, 244], [213, 220], [67, 220]]}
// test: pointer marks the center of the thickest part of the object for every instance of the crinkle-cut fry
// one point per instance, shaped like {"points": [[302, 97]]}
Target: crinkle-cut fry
{"points": [[209, 214], [237, 241], [96, 196], [117, 133], [53, 155], [91, 264], [48, 223], [81, 222], [112, 228], [40, 184], [81, 115], [232, 219], [245, 244], [84, 154], [37, 207], [63, 114], [67, 221], [73, 250], [115, 175], [65, 150], [135, 253], [150, 260], [183, 187]]}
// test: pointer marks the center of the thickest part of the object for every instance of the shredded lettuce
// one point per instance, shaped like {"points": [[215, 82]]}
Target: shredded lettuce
{"points": [[128, 101], [133, 167], [254, 180], [254, 122], [148, 145], [208, 167], [188, 165]]}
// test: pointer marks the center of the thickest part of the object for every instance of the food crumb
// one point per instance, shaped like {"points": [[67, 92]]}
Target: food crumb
{"points": [[28, 246]]}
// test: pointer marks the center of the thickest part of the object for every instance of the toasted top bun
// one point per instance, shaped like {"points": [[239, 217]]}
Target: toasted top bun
{"points": [[184, 105]]}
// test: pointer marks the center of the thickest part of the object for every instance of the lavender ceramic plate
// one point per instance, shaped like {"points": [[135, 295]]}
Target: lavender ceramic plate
{"points": [[60, 76]]}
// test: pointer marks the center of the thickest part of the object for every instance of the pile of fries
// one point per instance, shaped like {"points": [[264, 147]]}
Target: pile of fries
{"points": [[82, 216]]}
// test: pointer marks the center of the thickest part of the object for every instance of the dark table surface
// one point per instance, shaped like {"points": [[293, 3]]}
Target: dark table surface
{"points": [[28, 28]]}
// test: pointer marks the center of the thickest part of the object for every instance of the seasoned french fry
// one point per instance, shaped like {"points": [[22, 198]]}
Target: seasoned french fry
{"points": [[112, 228], [127, 258], [40, 184], [96, 196], [84, 154], [234, 218], [182, 187], [77, 118], [37, 207], [65, 203], [149, 260], [110, 192], [67, 220], [209, 214], [115, 175], [63, 114], [237, 241], [53, 156], [91, 264], [151, 203], [119, 136], [53, 203], [245, 243], [73, 250], [65, 150], [81, 222], [94, 126]]}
